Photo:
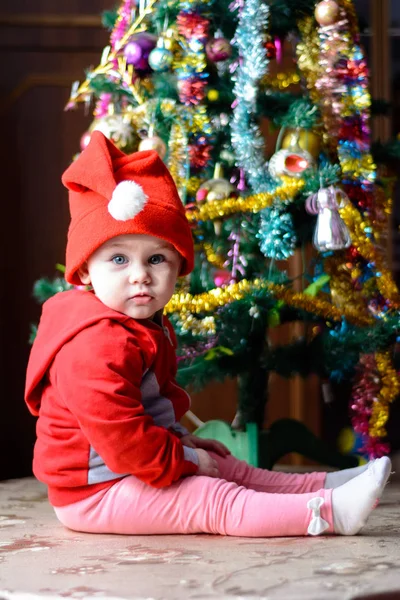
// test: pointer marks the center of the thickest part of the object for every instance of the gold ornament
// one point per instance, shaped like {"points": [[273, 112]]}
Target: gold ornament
{"points": [[326, 12], [216, 188], [170, 39], [154, 142], [306, 139]]}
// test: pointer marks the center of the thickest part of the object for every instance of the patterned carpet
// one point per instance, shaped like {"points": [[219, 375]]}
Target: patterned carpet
{"points": [[39, 558]]}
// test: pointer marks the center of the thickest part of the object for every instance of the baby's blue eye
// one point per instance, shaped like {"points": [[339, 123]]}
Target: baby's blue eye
{"points": [[119, 259], [156, 259]]}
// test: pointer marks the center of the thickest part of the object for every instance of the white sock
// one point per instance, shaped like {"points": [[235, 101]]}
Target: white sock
{"points": [[353, 502], [337, 478]]}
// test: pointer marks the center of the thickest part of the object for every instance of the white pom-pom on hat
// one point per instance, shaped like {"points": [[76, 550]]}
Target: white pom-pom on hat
{"points": [[127, 200]]}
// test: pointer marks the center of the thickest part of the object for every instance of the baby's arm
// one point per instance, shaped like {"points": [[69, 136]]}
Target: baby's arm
{"points": [[98, 376]]}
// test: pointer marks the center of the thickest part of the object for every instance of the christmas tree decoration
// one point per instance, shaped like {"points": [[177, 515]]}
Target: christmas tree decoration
{"points": [[221, 277], [291, 161], [307, 140], [376, 385], [218, 49], [327, 12], [277, 236], [271, 49], [116, 127], [330, 232], [216, 188], [138, 49], [160, 59], [122, 23], [154, 142]]}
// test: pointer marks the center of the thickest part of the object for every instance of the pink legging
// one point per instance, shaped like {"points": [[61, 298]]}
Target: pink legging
{"points": [[245, 501]]}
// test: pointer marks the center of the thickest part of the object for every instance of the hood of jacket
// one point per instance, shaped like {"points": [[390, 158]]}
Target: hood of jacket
{"points": [[63, 317]]}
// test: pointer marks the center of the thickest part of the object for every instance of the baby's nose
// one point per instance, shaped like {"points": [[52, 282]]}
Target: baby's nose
{"points": [[139, 274]]}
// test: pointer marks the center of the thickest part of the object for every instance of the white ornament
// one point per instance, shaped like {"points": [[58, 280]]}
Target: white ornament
{"points": [[127, 200], [117, 128]]}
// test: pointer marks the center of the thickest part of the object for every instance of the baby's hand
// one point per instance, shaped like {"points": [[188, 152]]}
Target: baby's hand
{"points": [[207, 465], [211, 445]]}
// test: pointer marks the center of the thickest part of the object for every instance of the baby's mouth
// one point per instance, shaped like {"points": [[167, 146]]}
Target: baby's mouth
{"points": [[141, 299]]}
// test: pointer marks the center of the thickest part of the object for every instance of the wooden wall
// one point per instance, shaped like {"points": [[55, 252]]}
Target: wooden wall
{"points": [[40, 60], [45, 46]]}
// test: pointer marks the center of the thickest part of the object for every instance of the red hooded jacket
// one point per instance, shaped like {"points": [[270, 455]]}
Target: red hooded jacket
{"points": [[103, 387]]}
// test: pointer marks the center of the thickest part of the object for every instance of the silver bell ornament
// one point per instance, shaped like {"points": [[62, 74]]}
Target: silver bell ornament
{"points": [[330, 232]]}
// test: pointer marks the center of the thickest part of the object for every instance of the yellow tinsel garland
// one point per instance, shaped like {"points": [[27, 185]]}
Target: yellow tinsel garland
{"points": [[390, 389], [216, 209], [211, 300], [359, 226]]}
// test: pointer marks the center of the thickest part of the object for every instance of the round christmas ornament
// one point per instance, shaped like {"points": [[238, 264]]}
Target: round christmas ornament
{"points": [[138, 49], [218, 49], [116, 128], [291, 161], [216, 188], [327, 12], [307, 140], [160, 59], [154, 142], [330, 232]]}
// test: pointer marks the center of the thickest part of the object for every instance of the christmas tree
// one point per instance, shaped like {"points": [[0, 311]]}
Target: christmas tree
{"points": [[206, 85]]}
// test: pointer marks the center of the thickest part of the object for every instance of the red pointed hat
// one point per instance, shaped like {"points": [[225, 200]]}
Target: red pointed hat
{"points": [[112, 193]]}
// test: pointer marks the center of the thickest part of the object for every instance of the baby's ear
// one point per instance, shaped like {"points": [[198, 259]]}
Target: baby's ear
{"points": [[83, 273]]}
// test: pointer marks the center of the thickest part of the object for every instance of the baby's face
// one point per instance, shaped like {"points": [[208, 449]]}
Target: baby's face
{"points": [[133, 274]]}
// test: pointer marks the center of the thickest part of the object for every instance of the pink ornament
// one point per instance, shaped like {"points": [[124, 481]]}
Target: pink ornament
{"points": [[201, 195], [218, 49], [221, 278], [85, 139]]}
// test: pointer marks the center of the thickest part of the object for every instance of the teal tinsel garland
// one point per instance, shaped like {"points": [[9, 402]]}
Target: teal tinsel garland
{"points": [[277, 232], [247, 141]]}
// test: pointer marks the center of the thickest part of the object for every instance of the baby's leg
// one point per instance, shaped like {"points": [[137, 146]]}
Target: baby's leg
{"points": [[276, 482], [197, 505], [209, 505], [262, 480]]}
